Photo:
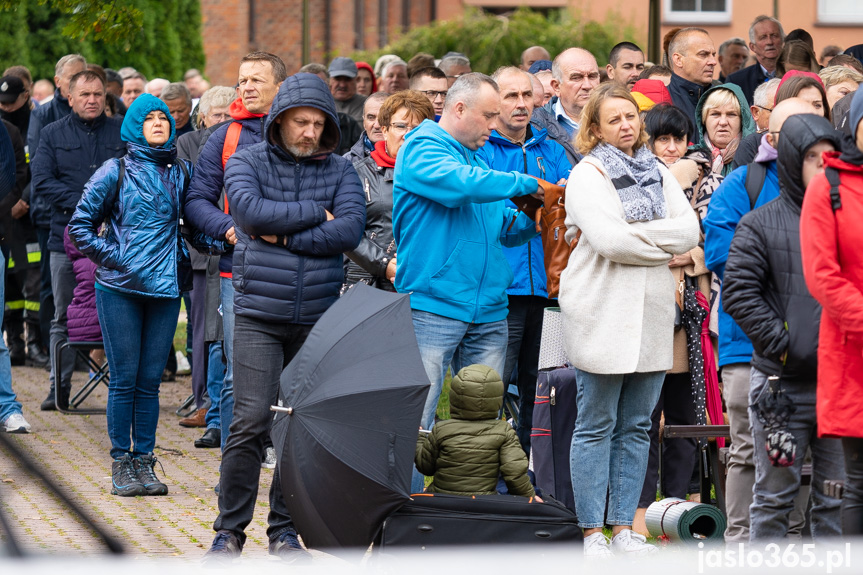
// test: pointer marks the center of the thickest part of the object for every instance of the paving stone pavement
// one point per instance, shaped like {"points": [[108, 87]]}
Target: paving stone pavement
{"points": [[74, 450]]}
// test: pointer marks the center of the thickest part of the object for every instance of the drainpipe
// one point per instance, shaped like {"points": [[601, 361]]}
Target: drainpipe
{"points": [[327, 31], [306, 35]]}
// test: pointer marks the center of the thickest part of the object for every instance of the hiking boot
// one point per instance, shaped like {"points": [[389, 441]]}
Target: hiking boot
{"points": [[225, 548], [124, 481], [596, 546], [287, 548], [146, 473], [269, 460], [36, 356], [16, 423], [628, 542], [49, 403]]}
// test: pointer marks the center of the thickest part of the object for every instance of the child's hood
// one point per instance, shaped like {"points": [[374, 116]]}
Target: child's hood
{"points": [[476, 393]]}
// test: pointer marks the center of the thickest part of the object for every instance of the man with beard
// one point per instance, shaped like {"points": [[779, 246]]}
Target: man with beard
{"points": [[343, 85], [516, 146], [297, 207]]}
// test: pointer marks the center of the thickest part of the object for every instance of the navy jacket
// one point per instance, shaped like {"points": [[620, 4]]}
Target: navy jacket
{"points": [[141, 252], [42, 116], [685, 95], [70, 151], [748, 79], [205, 191], [272, 193]]}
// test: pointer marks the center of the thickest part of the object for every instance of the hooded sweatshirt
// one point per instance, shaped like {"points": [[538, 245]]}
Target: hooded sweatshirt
{"points": [[449, 223], [747, 123], [764, 290]]}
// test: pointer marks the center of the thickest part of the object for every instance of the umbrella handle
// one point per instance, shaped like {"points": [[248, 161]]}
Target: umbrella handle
{"points": [[280, 409]]}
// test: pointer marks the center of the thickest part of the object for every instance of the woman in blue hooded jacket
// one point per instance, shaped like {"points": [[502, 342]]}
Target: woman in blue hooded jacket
{"points": [[143, 266]]}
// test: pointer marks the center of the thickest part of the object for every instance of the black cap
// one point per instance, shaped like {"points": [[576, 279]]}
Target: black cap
{"points": [[10, 88]]}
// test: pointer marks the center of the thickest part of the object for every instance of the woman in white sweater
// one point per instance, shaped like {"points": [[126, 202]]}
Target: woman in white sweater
{"points": [[617, 299]]}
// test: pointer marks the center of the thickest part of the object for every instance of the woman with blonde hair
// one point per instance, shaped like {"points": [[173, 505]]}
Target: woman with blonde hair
{"points": [[630, 218], [839, 81]]}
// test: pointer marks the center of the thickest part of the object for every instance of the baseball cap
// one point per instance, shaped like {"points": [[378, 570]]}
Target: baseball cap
{"points": [[342, 66], [10, 88]]}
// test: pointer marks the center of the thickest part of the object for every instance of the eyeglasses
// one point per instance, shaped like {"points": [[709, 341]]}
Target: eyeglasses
{"points": [[219, 118], [433, 94], [401, 127], [763, 107]]}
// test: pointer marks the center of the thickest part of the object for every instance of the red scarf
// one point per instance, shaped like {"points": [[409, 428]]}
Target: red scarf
{"points": [[381, 157]]}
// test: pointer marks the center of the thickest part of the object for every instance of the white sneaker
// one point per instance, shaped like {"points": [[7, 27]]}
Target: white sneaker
{"points": [[16, 423], [269, 461], [628, 542], [183, 367], [597, 546]]}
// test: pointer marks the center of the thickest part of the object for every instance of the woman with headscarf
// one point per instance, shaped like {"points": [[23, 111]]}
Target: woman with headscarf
{"points": [[630, 218], [367, 84], [143, 269], [722, 120]]}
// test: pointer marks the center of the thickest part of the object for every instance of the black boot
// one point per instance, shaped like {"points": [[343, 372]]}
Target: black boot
{"points": [[17, 355], [35, 353], [49, 403]]}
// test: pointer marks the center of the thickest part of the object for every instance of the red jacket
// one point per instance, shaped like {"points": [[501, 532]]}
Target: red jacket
{"points": [[833, 266]]}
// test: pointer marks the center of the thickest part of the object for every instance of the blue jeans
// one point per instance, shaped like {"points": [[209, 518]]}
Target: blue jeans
{"points": [[443, 341], [777, 487], [8, 400], [138, 333], [226, 404], [215, 378], [611, 443]]}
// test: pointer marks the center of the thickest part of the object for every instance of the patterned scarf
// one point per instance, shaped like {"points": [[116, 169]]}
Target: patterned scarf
{"points": [[637, 180], [721, 157]]}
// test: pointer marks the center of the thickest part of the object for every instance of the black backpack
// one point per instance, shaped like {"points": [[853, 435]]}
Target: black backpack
{"points": [[756, 174]]}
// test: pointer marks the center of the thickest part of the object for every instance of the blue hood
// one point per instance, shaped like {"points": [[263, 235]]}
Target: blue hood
{"points": [[305, 90], [133, 123]]}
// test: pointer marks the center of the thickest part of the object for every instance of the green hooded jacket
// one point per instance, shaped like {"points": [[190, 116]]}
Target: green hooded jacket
{"points": [[465, 454], [747, 123]]}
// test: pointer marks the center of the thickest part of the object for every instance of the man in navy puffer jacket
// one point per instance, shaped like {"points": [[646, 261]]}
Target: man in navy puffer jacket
{"points": [[297, 206]]}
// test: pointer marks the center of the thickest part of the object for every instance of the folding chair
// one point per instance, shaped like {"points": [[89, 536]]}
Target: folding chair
{"points": [[100, 374]]}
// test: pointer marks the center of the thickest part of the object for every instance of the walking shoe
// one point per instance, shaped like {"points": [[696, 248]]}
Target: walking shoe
{"points": [[16, 423], [597, 546], [269, 460], [211, 438], [124, 480], [628, 542], [197, 419], [287, 547], [146, 473], [225, 548], [49, 403]]}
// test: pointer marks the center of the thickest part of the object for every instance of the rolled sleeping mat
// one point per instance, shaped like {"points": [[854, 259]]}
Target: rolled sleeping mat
{"points": [[551, 352], [686, 521]]}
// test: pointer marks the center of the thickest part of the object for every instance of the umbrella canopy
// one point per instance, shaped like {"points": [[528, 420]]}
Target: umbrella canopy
{"points": [[355, 394]]}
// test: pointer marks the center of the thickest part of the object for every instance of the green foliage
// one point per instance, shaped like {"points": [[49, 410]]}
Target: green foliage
{"points": [[157, 38], [493, 41]]}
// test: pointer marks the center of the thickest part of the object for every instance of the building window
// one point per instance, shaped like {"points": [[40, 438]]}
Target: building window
{"points": [[697, 11], [840, 12]]}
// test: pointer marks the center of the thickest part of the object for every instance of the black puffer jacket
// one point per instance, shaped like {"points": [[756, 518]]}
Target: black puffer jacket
{"points": [[271, 193], [764, 289], [377, 247]]}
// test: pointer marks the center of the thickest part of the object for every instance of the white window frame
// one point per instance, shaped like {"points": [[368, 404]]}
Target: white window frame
{"points": [[832, 18], [670, 16]]}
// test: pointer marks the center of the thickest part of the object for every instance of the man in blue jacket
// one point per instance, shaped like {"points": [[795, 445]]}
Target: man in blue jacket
{"points": [[70, 151], [517, 147], [297, 206], [449, 221], [260, 76], [730, 202]]}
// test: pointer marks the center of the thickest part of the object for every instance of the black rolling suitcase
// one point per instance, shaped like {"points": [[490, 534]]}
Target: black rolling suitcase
{"points": [[437, 520], [554, 415]]}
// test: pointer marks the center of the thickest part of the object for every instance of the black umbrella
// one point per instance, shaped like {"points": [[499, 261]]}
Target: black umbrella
{"points": [[346, 431]]}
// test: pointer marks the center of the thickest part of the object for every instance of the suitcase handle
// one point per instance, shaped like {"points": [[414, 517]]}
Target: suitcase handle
{"points": [[543, 534], [425, 528]]}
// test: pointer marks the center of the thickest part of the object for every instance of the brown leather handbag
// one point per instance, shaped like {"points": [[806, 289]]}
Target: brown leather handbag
{"points": [[550, 217]]}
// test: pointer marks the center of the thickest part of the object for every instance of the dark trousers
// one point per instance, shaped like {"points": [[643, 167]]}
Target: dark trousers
{"points": [[46, 296], [852, 498], [679, 456], [524, 325], [261, 352], [197, 317]]}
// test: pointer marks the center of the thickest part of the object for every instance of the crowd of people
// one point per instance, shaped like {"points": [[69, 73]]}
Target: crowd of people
{"points": [[738, 185]]}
